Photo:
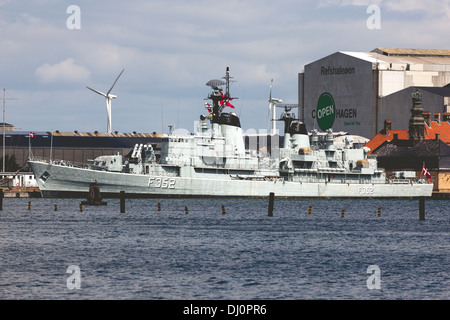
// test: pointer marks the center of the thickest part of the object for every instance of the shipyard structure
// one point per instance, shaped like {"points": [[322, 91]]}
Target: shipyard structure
{"points": [[356, 92]]}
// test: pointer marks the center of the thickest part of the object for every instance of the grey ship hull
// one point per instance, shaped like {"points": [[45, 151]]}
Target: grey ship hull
{"points": [[66, 181]]}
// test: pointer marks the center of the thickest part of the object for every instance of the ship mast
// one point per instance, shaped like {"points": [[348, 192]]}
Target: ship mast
{"points": [[220, 100], [227, 80], [288, 117]]}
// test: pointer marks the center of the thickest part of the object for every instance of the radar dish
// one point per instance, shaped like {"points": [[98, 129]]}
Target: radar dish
{"points": [[287, 106], [215, 83]]}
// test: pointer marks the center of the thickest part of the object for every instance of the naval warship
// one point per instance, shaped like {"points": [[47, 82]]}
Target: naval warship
{"points": [[213, 162]]}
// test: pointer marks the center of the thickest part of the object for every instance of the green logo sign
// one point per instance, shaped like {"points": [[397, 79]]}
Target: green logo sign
{"points": [[325, 111]]}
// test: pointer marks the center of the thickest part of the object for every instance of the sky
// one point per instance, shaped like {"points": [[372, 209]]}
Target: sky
{"points": [[50, 53]]}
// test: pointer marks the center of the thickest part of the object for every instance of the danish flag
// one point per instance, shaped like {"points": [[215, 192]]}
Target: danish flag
{"points": [[426, 173], [32, 134]]}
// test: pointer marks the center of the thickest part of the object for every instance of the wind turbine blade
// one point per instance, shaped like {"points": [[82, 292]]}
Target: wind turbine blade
{"points": [[270, 96], [96, 91], [115, 81], [270, 105]]}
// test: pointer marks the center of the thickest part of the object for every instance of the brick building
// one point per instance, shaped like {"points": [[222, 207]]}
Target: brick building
{"points": [[425, 142]]}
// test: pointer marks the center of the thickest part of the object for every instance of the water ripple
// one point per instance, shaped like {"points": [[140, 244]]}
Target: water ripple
{"points": [[244, 254]]}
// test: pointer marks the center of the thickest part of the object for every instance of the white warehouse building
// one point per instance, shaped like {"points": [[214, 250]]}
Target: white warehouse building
{"points": [[356, 92]]}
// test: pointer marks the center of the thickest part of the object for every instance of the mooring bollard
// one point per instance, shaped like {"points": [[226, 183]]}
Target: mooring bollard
{"points": [[342, 212], [186, 211], [223, 210], [309, 210], [379, 211], [122, 201], [421, 208], [159, 207], [271, 201]]}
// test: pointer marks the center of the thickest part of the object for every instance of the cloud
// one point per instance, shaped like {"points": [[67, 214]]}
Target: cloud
{"points": [[170, 50], [65, 71], [429, 8]]}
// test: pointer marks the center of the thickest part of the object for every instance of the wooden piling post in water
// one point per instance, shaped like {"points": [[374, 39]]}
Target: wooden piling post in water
{"points": [[29, 204], [342, 212], [223, 210], [55, 207], [94, 196], [159, 207], [422, 208], [379, 211], [271, 201], [186, 211], [2, 195], [122, 201], [309, 209]]}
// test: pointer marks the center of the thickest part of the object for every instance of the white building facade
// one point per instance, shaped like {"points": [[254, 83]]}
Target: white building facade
{"points": [[356, 92]]}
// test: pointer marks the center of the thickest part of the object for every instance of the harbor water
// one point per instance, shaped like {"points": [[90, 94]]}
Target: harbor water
{"points": [[196, 249]]}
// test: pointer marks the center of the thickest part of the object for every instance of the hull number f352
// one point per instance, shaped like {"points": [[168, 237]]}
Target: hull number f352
{"points": [[365, 190], [165, 183]]}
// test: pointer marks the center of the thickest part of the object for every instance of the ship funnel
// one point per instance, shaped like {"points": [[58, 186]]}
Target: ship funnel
{"points": [[299, 136], [232, 132]]}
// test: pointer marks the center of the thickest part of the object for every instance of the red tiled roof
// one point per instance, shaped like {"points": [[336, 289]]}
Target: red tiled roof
{"points": [[380, 138], [443, 129]]}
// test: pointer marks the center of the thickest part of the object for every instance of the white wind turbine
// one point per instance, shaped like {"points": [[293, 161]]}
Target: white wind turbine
{"points": [[272, 107], [108, 97]]}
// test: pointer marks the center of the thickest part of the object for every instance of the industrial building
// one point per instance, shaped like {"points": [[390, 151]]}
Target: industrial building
{"points": [[356, 92], [76, 147]]}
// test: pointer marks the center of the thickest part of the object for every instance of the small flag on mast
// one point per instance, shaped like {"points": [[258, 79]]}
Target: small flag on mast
{"points": [[426, 173]]}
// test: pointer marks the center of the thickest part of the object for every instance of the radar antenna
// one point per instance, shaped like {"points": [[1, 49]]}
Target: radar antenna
{"points": [[287, 116]]}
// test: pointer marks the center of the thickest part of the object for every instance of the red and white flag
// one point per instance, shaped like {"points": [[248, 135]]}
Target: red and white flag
{"points": [[426, 173], [227, 104], [226, 101], [32, 134]]}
